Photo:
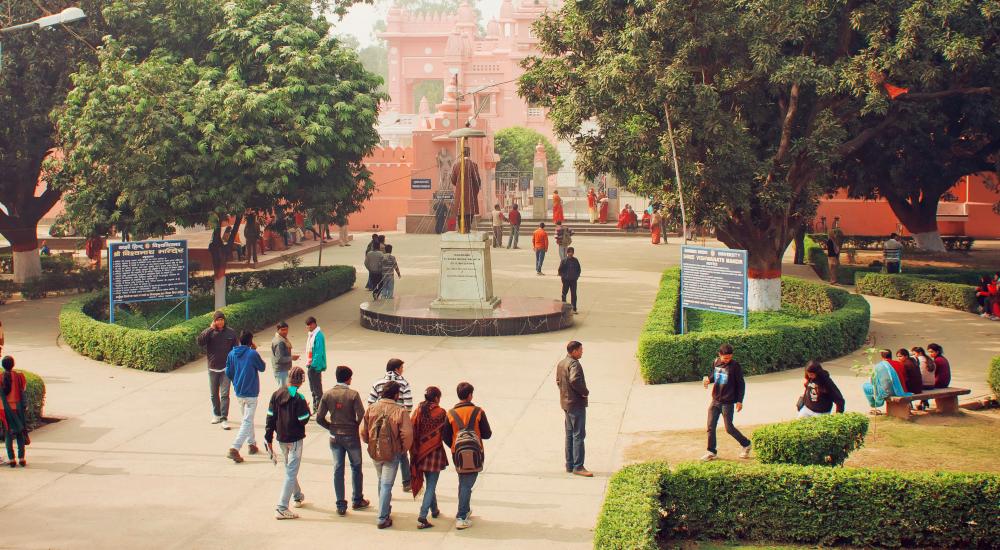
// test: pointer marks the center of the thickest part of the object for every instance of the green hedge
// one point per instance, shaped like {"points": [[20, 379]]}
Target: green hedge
{"points": [[918, 289], [35, 394], [838, 328], [826, 506], [170, 348], [847, 273], [816, 257], [819, 440], [993, 376], [630, 517]]}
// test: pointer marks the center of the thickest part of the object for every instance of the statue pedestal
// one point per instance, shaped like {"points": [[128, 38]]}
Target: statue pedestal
{"points": [[466, 281]]}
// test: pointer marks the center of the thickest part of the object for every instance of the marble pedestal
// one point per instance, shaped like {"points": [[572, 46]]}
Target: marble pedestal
{"points": [[466, 281]]}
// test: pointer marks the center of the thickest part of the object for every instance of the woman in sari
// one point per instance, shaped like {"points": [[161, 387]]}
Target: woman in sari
{"points": [[557, 208], [884, 384], [427, 456], [602, 199], [12, 416], [655, 227]]}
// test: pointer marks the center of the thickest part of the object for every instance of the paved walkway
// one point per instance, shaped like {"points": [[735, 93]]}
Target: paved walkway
{"points": [[135, 463]]}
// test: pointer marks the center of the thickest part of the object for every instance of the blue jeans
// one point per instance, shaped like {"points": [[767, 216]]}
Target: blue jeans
{"points": [[248, 406], [404, 467], [388, 285], [349, 445], [465, 483], [576, 431], [281, 377], [515, 230], [386, 472], [293, 458], [539, 258], [562, 252], [430, 502]]}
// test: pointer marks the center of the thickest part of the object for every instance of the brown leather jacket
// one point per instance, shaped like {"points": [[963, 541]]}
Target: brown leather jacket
{"points": [[399, 419], [573, 390]]}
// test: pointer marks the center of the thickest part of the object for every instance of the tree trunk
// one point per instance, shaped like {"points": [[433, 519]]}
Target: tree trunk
{"points": [[23, 238], [220, 291], [764, 280], [219, 250], [920, 219], [27, 265]]}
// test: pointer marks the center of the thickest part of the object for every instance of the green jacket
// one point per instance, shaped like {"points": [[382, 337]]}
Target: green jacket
{"points": [[317, 355]]}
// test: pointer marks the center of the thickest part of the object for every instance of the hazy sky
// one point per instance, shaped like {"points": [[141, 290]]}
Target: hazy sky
{"points": [[362, 18]]}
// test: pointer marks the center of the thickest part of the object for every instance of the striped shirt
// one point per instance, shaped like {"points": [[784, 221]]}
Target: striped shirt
{"points": [[405, 394]]}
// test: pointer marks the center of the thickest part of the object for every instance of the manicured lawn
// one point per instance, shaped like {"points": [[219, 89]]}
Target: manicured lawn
{"points": [[698, 320], [966, 443]]}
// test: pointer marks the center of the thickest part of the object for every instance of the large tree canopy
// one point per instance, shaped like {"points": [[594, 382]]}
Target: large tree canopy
{"points": [[516, 147], [248, 106], [759, 94], [34, 79]]}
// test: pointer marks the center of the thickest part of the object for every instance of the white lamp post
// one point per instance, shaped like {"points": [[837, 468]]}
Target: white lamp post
{"points": [[68, 15]]}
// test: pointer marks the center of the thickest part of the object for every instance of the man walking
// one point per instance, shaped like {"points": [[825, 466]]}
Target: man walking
{"points": [[464, 433], [497, 225], [373, 263], [287, 415], [251, 232], [514, 218], [281, 354], [218, 340], [569, 272], [564, 238], [388, 432], [343, 405], [573, 395], [394, 374], [728, 387], [892, 248], [316, 347], [242, 367], [540, 242]]}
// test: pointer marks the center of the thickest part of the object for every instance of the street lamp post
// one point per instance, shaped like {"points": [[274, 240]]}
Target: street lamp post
{"points": [[68, 15]]}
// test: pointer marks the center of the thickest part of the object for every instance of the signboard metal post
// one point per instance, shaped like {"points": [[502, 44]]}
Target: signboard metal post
{"points": [[713, 279], [145, 271]]}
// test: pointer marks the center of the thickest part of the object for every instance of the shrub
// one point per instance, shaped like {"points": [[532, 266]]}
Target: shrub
{"points": [[170, 348], [993, 376], [826, 506], [816, 256], [35, 395], [917, 289], [839, 327], [820, 440], [630, 516], [846, 273]]}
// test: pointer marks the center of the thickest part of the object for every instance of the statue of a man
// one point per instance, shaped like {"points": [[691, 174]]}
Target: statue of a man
{"points": [[467, 197], [444, 164]]}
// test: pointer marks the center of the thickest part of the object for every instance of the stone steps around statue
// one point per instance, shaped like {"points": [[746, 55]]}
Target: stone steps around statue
{"points": [[579, 228]]}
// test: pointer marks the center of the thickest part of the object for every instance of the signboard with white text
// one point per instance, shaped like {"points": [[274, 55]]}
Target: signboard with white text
{"points": [[713, 279]]}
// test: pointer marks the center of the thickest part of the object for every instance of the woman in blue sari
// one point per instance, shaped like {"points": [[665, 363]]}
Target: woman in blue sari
{"points": [[884, 383]]}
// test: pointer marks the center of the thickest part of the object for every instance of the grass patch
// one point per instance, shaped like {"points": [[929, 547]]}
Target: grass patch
{"points": [[707, 321]]}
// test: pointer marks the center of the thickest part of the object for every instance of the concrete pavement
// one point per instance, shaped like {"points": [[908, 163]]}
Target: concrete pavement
{"points": [[135, 462]]}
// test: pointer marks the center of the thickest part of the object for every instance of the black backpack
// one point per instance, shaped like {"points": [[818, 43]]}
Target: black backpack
{"points": [[468, 452]]}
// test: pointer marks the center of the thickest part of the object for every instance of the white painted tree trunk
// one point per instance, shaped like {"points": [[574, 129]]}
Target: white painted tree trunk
{"points": [[929, 241], [220, 292], [764, 294], [27, 265]]}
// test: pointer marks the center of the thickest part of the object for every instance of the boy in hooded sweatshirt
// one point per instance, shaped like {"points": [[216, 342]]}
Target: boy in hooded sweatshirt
{"points": [[242, 367], [288, 414]]}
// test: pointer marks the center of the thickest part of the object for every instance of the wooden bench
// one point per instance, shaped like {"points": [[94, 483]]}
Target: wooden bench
{"points": [[945, 401]]}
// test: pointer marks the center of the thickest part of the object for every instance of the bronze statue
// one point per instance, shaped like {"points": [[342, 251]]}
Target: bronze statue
{"points": [[469, 196]]}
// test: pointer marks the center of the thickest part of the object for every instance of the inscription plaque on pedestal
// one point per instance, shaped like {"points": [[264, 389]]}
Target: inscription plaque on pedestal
{"points": [[466, 280]]}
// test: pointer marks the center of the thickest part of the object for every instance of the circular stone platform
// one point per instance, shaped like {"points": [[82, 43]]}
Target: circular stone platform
{"points": [[413, 315]]}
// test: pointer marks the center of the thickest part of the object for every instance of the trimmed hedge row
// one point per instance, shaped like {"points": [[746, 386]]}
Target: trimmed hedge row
{"points": [[827, 506], [820, 440], [34, 392], [816, 257], [848, 273], [993, 376], [839, 327], [798, 504], [917, 289], [630, 516], [170, 348]]}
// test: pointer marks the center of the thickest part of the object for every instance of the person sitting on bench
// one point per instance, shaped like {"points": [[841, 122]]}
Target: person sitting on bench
{"points": [[884, 383]]}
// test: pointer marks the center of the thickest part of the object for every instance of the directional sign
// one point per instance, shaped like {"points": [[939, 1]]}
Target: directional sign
{"points": [[420, 183]]}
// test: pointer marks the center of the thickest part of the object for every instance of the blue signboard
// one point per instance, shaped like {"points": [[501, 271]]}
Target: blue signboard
{"points": [[144, 271], [539, 192], [713, 279], [420, 183], [612, 193]]}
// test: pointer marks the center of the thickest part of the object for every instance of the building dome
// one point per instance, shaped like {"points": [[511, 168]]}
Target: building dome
{"points": [[466, 14], [493, 29], [507, 10]]}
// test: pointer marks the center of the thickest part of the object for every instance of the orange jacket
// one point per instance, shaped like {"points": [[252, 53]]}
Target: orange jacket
{"points": [[540, 239]]}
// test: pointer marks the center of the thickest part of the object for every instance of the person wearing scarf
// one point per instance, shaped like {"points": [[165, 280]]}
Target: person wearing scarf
{"points": [[884, 383], [427, 456], [13, 418]]}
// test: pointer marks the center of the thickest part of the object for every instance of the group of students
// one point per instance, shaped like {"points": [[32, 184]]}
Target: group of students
{"points": [[988, 296], [382, 268], [911, 373]]}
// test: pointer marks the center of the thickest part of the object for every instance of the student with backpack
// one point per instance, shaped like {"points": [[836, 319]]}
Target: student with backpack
{"points": [[287, 415], [465, 431], [388, 432]]}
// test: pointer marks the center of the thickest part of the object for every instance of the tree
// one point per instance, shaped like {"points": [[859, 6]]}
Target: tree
{"points": [[34, 79], [516, 147], [758, 102], [261, 110]]}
